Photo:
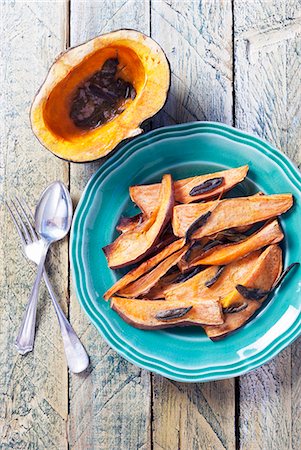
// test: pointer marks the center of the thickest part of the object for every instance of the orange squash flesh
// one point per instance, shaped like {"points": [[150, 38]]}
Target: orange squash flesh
{"points": [[254, 278], [229, 213], [195, 287], [142, 313], [146, 282], [144, 267], [226, 253], [263, 276], [141, 62], [146, 197], [166, 282], [133, 245]]}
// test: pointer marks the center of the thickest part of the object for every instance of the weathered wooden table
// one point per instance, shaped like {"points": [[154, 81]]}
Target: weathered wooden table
{"points": [[236, 62]]}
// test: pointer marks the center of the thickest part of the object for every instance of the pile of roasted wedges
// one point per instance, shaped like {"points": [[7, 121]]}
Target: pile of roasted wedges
{"points": [[203, 259]]}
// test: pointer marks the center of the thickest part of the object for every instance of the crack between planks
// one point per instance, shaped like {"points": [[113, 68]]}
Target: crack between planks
{"points": [[150, 18], [237, 413], [236, 380], [67, 45], [233, 65], [68, 24], [151, 412]]}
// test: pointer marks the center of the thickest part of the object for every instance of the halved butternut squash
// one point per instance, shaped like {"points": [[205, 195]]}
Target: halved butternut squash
{"points": [[229, 213], [263, 276], [145, 314], [146, 197], [226, 253], [133, 245], [141, 64]]}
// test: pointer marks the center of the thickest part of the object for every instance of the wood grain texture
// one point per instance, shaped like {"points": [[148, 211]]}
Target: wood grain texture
{"points": [[267, 103], [110, 405], [193, 416], [197, 39], [34, 388]]}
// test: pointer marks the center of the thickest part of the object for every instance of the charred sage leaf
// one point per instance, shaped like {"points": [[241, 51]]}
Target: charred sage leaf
{"points": [[193, 246], [198, 223], [172, 270], [232, 236], [100, 98], [211, 245], [171, 314], [214, 279], [284, 274], [206, 186], [189, 274], [235, 308], [251, 293], [259, 294]]}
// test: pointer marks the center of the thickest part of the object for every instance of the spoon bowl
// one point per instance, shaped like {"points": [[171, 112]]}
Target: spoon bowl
{"points": [[53, 214]]}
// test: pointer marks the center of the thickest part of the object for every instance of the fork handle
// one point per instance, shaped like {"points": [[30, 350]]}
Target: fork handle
{"points": [[25, 338], [76, 355]]}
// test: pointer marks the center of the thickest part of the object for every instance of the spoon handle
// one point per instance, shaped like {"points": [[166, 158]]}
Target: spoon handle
{"points": [[25, 338], [76, 355]]}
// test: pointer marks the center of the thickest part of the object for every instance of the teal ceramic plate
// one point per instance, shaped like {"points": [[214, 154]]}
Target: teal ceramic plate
{"points": [[186, 354]]}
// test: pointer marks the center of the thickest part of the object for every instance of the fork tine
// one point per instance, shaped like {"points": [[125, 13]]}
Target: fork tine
{"points": [[26, 235], [16, 224], [22, 207]]}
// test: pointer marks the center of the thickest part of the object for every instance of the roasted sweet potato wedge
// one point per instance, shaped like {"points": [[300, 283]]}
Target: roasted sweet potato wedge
{"points": [[147, 281], [157, 314], [229, 213], [129, 223], [157, 291], [271, 255], [195, 287], [226, 253], [146, 197], [133, 245], [144, 267], [263, 276]]}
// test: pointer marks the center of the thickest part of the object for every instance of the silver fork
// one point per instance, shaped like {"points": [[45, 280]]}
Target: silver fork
{"points": [[76, 355]]}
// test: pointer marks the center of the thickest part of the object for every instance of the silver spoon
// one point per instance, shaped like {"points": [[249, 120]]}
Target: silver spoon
{"points": [[52, 221]]}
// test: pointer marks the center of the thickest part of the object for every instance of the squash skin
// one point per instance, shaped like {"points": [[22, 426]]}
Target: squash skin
{"points": [[49, 113], [129, 223]]}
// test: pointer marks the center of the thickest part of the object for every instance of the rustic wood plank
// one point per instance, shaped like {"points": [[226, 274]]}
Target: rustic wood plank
{"points": [[110, 405], [193, 416], [267, 93], [34, 388], [293, 148], [197, 38]]}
